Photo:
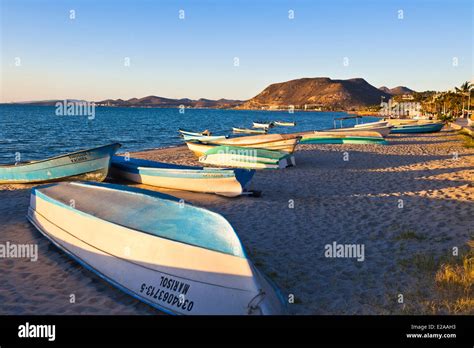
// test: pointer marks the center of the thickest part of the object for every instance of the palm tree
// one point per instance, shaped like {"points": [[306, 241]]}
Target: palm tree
{"points": [[465, 89]]}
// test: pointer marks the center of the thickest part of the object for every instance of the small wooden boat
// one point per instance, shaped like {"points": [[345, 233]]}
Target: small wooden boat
{"points": [[249, 131], [92, 164], [418, 128], [245, 157], [360, 137], [278, 142], [263, 124], [176, 257], [382, 130], [187, 132], [204, 137], [285, 123], [372, 124], [225, 182]]}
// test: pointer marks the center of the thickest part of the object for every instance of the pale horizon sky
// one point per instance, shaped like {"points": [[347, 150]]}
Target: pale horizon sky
{"points": [[83, 58]]}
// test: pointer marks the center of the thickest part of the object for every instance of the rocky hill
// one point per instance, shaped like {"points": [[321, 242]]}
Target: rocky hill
{"points": [[319, 92], [399, 90]]}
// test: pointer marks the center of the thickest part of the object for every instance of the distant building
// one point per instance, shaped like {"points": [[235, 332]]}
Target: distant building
{"points": [[408, 97]]}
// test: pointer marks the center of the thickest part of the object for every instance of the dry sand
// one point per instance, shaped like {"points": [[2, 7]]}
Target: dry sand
{"points": [[354, 201]]}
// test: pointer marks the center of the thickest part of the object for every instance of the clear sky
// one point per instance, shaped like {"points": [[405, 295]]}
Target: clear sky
{"points": [[83, 58]]}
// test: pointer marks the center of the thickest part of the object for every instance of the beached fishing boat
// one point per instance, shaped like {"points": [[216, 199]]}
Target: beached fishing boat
{"points": [[91, 164], [382, 130], [418, 128], [225, 182], [263, 124], [381, 127], [187, 132], [278, 142], [360, 137], [245, 157], [285, 123], [176, 257], [249, 131], [204, 137]]}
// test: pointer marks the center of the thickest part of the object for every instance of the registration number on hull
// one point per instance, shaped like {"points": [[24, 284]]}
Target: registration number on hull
{"points": [[171, 292], [79, 157]]}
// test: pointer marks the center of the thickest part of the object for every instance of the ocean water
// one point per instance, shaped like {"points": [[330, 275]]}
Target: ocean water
{"points": [[36, 132]]}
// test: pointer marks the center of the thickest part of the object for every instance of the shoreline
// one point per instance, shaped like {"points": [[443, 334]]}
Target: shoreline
{"points": [[347, 202], [201, 108]]}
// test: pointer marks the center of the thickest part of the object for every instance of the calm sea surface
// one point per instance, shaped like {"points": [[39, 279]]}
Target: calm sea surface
{"points": [[36, 132]]}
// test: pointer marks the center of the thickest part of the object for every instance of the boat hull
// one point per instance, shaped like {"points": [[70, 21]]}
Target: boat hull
{"points": [[285, 124], [248, 131], [262, 125], [91, 164], [183, 132], [177, 278], [424, 128], [242, 157], [225, 182], [204, 137], [275, 142], [382, 130], [342, 138]]}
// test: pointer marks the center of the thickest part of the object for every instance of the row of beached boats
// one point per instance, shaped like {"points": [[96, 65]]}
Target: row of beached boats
{"points": [[176, 257], [247, 151]]}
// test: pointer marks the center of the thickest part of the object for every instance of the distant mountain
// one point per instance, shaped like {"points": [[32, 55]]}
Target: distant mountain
{"points": [[399, 90], [51, 102], [157, 102], [319, 92], [150, 102]]}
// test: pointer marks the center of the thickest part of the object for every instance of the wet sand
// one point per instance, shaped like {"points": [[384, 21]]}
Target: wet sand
{"points": [[414, 196]]}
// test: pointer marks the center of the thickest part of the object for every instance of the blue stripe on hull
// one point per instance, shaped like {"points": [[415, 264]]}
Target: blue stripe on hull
{"points": [[430, 128], [152, 168]]}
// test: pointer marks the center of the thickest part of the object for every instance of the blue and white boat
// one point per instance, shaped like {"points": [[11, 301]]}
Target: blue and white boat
{"points": [[226, 182], [176, 257], [204, 137], [418, 128], [92, 164], [183, 132]]}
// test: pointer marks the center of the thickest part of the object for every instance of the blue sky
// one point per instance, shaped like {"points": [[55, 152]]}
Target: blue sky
{"points": [[84, 58]]}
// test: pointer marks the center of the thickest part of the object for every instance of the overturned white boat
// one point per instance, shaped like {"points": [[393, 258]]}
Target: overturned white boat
{"points": [[173, 256]]}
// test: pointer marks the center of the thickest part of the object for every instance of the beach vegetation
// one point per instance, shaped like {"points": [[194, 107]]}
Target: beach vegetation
{"points": [[468, 140], [445, 285]]}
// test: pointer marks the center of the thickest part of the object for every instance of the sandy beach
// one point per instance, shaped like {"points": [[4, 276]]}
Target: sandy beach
{"points": [[408, 201]]}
